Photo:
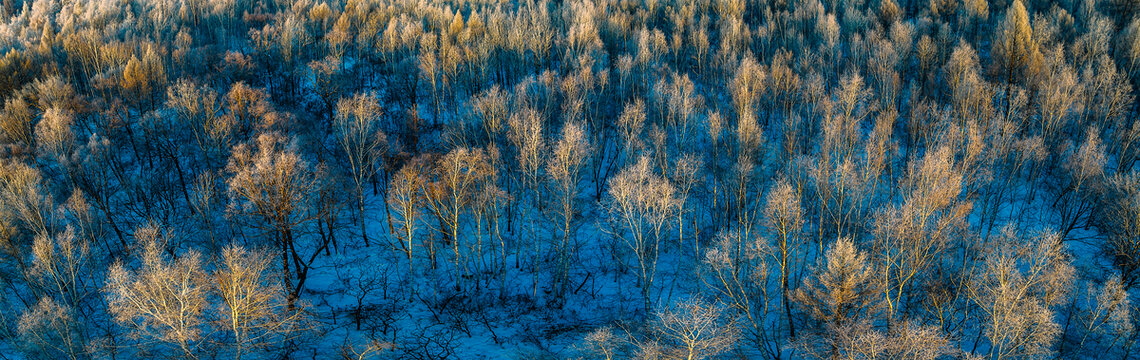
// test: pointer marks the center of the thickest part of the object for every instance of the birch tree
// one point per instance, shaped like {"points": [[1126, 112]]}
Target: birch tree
{"points": [[363, 144], [639, 207]]}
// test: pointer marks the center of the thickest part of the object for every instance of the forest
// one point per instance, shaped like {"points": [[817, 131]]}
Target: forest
{"points": [[577, 179]]}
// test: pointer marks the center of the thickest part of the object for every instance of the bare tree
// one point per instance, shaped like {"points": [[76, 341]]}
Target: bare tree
{"points": [[430, 68], [273, 186], [910, 237], [16, 122], [1110, 98], [680, 103], [564, 170], [1118, 216], [250, 108], [163, 301], [603, 343], [739, 274], [526, 135], [1057, 95], [491, 107], [639, 206], [1082, 178], [363, 143], [686, 175], [1017, 286], [255, 309], [631, 124], [694, 329], [746, 87], [456, 179], [50, 330], [963, 60], [909, 341], [327, 78], [843, 182], [1130, 46], [406, 200], [54, 135], [204, 200], [1106, 319], [783, 217], [199, 108], [60, 266], [26, 199]]}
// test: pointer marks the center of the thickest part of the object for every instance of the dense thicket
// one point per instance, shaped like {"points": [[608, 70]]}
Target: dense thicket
{"points": [[657, 179]]}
